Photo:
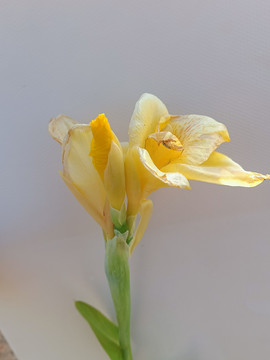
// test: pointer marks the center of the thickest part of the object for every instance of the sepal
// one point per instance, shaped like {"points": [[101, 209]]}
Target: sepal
{"points": [[145, 211], [118, 216]]}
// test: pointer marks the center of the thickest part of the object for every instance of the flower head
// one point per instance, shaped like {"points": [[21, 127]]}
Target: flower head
{"points": [[170, 150], [163, 150], [93, 168]]}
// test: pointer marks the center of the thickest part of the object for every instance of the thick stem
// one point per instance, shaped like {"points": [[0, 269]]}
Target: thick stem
{"points": [[117, 271]]}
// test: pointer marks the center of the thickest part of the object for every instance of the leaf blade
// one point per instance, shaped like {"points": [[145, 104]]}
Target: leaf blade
{"points": [[105, 330]]}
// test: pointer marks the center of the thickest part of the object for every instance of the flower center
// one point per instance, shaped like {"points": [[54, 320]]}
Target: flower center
{"points": [[163, 147]]}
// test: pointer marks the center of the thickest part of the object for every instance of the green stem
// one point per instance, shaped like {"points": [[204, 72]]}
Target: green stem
{"points": [[117, 271]]}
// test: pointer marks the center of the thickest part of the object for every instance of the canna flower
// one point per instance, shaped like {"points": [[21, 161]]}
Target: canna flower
{"points": [[163, 150], [93, 168], [168, 150]]}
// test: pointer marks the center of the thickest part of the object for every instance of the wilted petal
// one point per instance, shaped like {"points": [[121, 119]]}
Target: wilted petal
{"points": [[143, 177], [59, 126], [148, 112], [218, 169], [200, 136], [152, 178], [79, 170]]}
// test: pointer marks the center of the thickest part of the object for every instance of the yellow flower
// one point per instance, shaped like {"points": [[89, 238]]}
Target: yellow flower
{"points": [[167, 150], [163, 150], [93, 168]]}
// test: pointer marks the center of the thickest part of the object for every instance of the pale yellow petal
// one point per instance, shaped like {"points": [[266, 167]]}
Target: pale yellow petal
{"points": [[79, 170], [149, 111], [153, 178], [114, 177], [218, 169], [59, 126], [125, 147], [82, 200], [143, 177], [145, 212], [133, 181], [200, 136]]}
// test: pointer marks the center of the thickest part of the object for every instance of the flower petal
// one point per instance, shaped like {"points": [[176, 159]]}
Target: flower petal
{"points": [[148, 112], [82, 200], [145, 212], [158, 177], [124, 145], [59, 126], [150, 178], [143, 177], [101, 143], [79, 170], [114, 177], [133, 181], [218, 169], [200, 136]]}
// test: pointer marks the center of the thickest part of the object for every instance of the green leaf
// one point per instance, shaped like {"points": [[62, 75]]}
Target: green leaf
{"points": [[105, 330]]}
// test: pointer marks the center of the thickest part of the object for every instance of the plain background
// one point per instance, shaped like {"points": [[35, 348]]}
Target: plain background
{"points": [[201, 275]]}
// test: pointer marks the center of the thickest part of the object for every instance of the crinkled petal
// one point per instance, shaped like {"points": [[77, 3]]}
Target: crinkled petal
{"points": [[143, 177], [199, 135], [59, 126], [79, 170], [218, 169], [152, 178], [148, 112]]}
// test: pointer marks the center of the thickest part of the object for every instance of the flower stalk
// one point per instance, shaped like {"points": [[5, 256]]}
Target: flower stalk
{"points": [[117, 272]]}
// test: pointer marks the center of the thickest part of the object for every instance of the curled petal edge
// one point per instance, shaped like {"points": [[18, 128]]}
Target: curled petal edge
{"points": [[149, 111], [59, 127], [175, 179], [200, 136], [219, 169]]}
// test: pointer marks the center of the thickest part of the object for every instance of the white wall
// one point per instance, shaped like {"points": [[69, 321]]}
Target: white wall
{"points": [[200, 277]]}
